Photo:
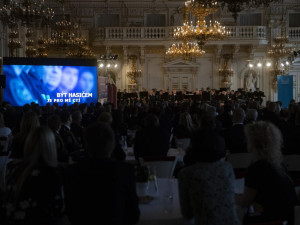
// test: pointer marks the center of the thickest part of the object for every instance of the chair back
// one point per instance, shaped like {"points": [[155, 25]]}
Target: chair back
{"points": [[292, 162], [240, 160], [4, 146], [163, 166], [182, 143]]}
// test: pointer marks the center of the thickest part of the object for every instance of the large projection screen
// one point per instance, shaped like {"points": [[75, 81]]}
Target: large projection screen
{"points": [[50, 80]]}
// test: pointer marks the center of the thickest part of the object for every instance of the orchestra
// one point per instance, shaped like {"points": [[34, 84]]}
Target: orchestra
{"points": [[208, 96]]}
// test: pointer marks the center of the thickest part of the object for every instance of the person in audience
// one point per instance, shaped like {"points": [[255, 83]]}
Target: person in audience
{"points": [[151, 140], [54, 123], [293, 137], [5, 136], [206, 188], [66, 134], [267, 183], [29, 122], [100, 190], [251, 116], [185, 126], [33, 192], [76, 127], [118, 152], [235, 136]]}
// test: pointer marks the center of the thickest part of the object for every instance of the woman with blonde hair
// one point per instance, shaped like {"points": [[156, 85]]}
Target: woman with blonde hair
{"points": [[267, 185], [29, 121], [185, 126], [36, 196]]}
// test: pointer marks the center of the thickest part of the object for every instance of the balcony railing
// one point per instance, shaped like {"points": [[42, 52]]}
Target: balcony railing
{"points": [[294, 34], [166, 33]]}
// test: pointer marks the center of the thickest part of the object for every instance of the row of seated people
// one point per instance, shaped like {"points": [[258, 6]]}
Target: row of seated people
{"points": [[152, 138], [199, 95]]}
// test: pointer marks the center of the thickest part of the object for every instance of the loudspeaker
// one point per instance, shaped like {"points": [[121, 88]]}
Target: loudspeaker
{"points": [[2, 81]]}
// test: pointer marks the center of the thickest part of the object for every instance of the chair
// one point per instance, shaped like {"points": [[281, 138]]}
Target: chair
{"points": [[182, 143], [240, 160], [292, 162], [164, 166]]}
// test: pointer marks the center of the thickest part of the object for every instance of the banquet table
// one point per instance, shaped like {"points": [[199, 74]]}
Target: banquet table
{"points": [[165, 208], [178, 153]]}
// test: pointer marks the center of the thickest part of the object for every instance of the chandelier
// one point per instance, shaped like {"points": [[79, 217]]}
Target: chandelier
{"points": [[185, 50], [191, 38], [280, 54], [234, 6], [24, 13], [201, 32], [66, 36], [134, 73]]}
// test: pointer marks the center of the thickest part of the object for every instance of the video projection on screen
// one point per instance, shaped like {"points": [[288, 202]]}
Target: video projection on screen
{"points": [[64, 81]]}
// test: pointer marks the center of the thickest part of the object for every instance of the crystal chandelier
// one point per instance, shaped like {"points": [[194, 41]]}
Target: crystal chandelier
{"points": [[191, 38], [201, 32], [24, 13], [280, 53], [234, 6], [185, 50], [66, 36]]}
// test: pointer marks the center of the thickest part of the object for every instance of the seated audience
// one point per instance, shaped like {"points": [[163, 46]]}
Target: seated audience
{"points": [[185, 126], [267, 184], [293, 137], [206, 188], [118, 152], [100, 190], [151, 140], [76, 127], [234, 135], [29, 122], [66, 134], [54, 123], [33, 193], [5, 136], [251, 116]]}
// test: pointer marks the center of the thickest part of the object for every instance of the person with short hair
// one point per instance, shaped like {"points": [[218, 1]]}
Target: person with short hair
{"points": [[100, 190], [206, 187]]}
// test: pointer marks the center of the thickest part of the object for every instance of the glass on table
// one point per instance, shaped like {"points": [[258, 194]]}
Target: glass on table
{"points": [[153, 186], [168, 195]]}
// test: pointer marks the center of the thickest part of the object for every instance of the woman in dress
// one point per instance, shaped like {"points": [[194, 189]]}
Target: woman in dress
{"points": [[33, 192], [206, 187]]}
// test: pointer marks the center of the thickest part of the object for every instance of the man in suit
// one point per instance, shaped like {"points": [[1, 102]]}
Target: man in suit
{"points": [[66, 134], [100, 190], [234, 136]]}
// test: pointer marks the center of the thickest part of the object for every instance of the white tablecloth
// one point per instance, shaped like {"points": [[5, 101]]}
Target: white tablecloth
{"points": [[172, 152], [165, 208], [162, 210]]}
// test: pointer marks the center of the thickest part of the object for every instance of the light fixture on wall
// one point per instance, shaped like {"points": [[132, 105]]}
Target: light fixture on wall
{"points": [[134, 73], [225, 72]]}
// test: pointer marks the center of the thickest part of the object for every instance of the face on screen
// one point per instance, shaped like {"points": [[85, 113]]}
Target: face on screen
{"points": [[86, 82], [20, 94], [69, 78], [51, 76]]}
